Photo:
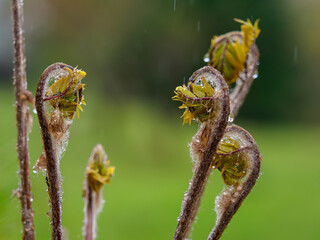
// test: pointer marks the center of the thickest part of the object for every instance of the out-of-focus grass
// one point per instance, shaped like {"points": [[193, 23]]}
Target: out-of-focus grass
{"points": [[153, 167]]}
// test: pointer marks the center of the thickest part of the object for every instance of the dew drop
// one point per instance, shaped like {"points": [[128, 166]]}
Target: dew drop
{"points": [[256, 75], [231, 118], [206, 58], [34, 111]]}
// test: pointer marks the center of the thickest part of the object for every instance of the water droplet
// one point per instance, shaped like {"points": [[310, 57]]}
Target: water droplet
{"points": [[34, 111], [256, 75], [206, 58], [231, 118], [213, 167]]}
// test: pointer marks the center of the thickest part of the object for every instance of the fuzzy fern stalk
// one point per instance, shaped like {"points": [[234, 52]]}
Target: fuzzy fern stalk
{"points": [[58, 99], [98, 172], [236, 56], [24, 120], [206, 100], [238, 159]]}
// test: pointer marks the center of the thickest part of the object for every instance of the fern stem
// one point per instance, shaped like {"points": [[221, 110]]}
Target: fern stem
{"points": [[239, 192], [22, 115], [51, 155], [214, 129]]}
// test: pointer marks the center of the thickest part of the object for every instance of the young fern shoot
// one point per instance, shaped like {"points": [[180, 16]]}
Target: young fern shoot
{"points": [[98, 172], [206, 100], [236, 56], [58, 99], [24, 120], [238, 159]]}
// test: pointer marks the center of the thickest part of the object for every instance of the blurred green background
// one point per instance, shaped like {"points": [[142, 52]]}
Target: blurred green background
{"points": [[135, 53]]}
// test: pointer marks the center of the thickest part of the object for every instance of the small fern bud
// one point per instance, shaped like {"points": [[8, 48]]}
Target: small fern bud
{"points": [[98, 172]]}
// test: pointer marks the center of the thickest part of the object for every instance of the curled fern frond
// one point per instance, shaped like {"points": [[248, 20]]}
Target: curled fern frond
{"points": [[199, 97], [206, 99], [65, 92], [230, 159], [58, 98], [238, 158], [228, 53], [197, 100]]}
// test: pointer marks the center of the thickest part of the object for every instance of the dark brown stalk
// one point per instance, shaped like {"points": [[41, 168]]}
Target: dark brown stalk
{"points": [[50, 153], [23, 117], [204, 145], [231, 198]]}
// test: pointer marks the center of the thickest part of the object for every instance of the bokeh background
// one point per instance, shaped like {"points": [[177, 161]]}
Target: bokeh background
{"points": [[135, 53]]}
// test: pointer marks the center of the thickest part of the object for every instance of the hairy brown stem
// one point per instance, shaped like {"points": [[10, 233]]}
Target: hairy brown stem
{"points": [[232, 198], [51, 154], [23, 117], [212, 131]]}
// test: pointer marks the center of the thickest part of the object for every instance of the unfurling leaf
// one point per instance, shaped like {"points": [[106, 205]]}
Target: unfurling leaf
{"points": [[65, 93], [198, 100], [231, 160], [228, 53], [59, 99]]}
